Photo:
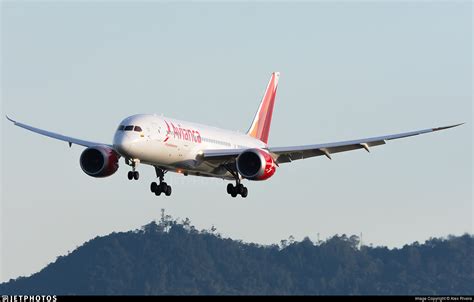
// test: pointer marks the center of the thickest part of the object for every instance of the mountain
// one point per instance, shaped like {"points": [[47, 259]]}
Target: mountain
{"points": [[172, 257]]}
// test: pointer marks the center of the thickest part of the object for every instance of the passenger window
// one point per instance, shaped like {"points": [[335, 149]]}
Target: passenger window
{"points": [[138, 129], [128, 128], [120, 128]]}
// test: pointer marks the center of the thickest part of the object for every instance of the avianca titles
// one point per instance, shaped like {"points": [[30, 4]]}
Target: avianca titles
{"points": [[169, 144]]}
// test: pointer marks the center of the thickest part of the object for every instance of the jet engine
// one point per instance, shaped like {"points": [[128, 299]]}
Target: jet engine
{"points": [[99, 161], [255, 164]]}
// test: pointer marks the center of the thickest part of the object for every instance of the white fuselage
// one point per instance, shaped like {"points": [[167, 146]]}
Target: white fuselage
{"points": [[175, 145]]}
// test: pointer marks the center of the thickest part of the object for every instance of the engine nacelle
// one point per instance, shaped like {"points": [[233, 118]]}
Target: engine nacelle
{"points": [[99, 161], [255, 164]]}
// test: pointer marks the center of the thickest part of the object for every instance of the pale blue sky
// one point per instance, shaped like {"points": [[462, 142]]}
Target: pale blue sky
{"points": [[348, 70]]}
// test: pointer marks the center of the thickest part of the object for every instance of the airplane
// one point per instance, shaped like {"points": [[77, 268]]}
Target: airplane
{"points": [[171, 145]]}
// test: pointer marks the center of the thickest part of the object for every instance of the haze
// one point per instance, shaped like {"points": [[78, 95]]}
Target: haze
{"points": [[348, 70]]}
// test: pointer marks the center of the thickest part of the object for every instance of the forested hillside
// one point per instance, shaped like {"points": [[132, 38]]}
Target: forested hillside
{"points": [[173, 257]]}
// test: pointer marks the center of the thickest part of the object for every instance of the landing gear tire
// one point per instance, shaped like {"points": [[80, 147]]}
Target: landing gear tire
{"points": [[230, 187], [168, 191], [133, 175], [239, 189], [162, 187], [245, 192]]}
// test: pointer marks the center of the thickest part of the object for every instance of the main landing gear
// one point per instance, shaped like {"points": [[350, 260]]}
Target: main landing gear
{"points": [[132, 174], [238, 189], [162, 187]]}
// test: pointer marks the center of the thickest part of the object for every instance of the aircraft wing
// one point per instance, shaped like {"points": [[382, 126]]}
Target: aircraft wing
{"points": [[288, 154], [70, 140]]}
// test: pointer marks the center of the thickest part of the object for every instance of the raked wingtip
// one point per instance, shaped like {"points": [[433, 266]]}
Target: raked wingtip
{"points": [[8, 118], [447, 127]]}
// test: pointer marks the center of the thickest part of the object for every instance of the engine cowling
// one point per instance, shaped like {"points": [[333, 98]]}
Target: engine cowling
{"points": [[255, 164], [99, 161]]}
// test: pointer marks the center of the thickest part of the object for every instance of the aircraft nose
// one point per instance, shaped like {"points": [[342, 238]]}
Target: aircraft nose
{"points": [[123, 144]]}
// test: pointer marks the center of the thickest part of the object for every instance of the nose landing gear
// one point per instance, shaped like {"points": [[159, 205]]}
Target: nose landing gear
{"points": [[132, 174], [162, 187]]}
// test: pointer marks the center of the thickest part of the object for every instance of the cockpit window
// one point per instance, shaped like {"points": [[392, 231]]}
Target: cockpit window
{"points": [[129, 128], [138, 129], [120, 128]]}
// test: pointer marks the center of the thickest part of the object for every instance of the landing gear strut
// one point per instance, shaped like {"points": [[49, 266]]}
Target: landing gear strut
{"points": [[132, 174], [162, 187]]}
